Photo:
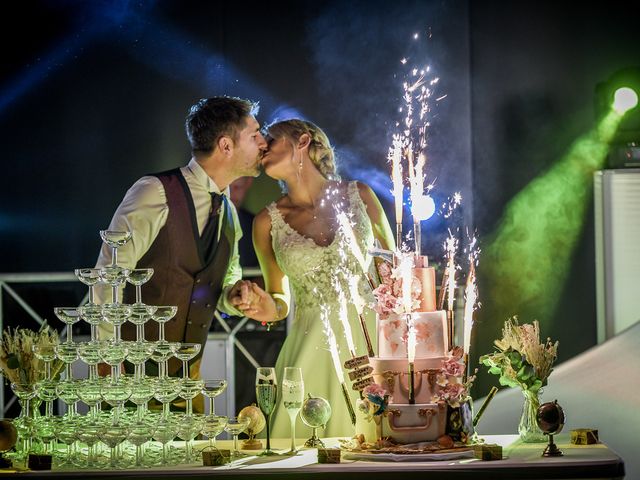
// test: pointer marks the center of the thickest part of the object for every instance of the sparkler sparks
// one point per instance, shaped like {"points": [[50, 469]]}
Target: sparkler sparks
{"points": [[470, 294]]}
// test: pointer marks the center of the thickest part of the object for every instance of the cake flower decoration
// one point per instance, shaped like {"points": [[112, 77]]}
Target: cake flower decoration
{"points": [[374, 402]]}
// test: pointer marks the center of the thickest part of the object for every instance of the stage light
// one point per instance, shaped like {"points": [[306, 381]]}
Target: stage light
{"points": [[624, 99]]}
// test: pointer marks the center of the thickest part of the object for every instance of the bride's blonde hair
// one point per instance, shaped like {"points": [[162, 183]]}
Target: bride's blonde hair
{"points": [[320, 150]]}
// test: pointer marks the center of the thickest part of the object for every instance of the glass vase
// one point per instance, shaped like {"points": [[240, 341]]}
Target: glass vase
{"points": [[528, 426]]}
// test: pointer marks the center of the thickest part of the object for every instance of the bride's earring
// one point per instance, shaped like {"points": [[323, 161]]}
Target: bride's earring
{"points": [[299, 170]]}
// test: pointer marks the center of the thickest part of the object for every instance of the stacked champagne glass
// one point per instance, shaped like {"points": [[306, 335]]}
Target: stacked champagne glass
{"points": [[108, 422]]}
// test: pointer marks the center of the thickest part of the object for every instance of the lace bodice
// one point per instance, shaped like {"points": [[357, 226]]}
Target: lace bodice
{"points": [[314, 270]]}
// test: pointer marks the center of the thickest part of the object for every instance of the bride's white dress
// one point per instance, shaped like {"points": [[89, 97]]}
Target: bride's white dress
{"points": [[313, 273]]}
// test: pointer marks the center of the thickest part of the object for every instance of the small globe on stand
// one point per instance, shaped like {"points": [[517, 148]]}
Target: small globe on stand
{"points": [[8, 439], [257, 422], [315, 413], [550, 418]]}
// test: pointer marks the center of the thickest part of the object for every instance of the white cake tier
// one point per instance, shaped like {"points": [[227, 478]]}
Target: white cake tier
{"points": [[415, 423], [393, 375], [431, 335]]}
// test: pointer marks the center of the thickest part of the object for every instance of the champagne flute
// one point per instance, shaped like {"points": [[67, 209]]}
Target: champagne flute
{"points": [[266, 392], [292, 398]]}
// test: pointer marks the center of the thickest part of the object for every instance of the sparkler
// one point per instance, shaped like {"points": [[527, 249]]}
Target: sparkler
{"points": [[470, 297], [343, 314], [406, 273], [451, 246], [359, 305], [395, 155], [335, 357]]}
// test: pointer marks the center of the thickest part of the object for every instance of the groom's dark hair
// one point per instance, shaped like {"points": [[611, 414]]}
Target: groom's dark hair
{"points": [[211, 118]]}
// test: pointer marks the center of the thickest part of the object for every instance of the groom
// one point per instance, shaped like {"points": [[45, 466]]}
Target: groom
{"points": [[185, 227]]}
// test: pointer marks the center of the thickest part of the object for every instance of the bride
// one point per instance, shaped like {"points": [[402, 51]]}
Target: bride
{"points": [[302, 248]]}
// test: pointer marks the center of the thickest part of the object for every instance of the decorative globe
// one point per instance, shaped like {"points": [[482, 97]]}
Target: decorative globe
{"points": [[315, 412], [8, 435], [550, 418], [257, 422]]}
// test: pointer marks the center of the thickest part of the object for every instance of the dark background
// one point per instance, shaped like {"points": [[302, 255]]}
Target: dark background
{"points": [[93, 95]]}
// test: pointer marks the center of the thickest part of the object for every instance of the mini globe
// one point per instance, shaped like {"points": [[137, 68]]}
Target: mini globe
{"points": [[256, 418], [315, 412], [550, 418]]}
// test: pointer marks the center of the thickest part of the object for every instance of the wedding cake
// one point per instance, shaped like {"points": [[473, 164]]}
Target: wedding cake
{"points": [[418, 393]]}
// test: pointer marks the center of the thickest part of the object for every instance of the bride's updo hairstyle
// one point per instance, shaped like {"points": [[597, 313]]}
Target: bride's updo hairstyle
{"points": [[320, 150]]}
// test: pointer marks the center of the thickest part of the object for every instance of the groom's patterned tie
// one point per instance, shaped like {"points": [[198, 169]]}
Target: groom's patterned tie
{"points": [[209, 237]]}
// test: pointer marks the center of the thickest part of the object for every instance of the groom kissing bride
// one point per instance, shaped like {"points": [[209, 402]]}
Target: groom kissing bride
{"points": [[185, 228]]}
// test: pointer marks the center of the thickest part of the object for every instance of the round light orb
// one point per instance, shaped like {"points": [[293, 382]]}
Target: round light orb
{"points": [[624, 99]]}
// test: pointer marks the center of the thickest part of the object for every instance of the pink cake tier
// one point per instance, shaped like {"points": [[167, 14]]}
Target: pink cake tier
{"points": [[393, 375], [415, 423], [431, 335]]}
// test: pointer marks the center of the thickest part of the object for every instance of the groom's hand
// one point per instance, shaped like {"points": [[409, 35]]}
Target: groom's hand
{"points": [[259, 305], [240, 295]]}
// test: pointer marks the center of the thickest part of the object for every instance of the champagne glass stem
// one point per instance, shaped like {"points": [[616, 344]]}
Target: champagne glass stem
{"points": [[138, 293], [189, 407], [138, 455], [94, 333], [161, 332], [116, 335], [165, 447], [93, 372], [47, 370], [114, 294], [114, 256], [48, 409], [268, 433], [185, 369], [188, 450], [235, 443], [212, 407], [67, 371], [91, 297], [139, 333], [293, 433], [165, 410]]}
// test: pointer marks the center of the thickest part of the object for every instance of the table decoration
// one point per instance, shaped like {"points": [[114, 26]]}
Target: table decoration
{"points": [[521, 360]]}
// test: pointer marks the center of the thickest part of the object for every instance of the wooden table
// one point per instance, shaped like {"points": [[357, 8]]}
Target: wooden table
{"points": [[521, 461]]}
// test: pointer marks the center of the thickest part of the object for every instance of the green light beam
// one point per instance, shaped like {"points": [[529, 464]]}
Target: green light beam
{"points": [[528, 256]]}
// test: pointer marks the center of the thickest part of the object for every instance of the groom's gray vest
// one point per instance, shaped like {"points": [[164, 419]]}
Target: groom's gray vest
{"points": [[181, 276]]}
